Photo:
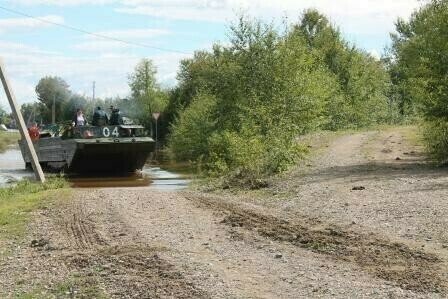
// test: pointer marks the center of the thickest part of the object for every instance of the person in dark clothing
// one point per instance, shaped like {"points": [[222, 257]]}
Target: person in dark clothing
{"points": [[115, 117], [100, 117]]}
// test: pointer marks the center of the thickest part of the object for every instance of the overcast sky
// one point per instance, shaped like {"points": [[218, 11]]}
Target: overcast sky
{"points": [[32, 49]]}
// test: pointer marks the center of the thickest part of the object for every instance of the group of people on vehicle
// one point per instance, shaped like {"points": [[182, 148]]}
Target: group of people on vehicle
{"points": [[100, 117]]}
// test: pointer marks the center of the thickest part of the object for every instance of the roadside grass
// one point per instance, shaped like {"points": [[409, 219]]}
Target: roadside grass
{"points": [[75, 287], [414, 135], [7, 139], [85, 286], [17, 202]]}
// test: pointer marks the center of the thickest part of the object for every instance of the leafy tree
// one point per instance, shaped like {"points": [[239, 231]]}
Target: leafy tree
{"points": [[31, 112], [77, 101], [53, 89], [4, 117], [191, 130], [363, 81], [145, 90], [269, 87], [419, 65]]}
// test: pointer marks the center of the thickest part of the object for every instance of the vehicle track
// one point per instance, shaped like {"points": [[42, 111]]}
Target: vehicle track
{"points": [[100, 245], [133, 272], [80, 229], [409, 268]]}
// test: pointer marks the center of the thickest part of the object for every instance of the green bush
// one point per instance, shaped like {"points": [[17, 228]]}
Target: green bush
{"points": [[436, 138], [419, 71], [190, 132], [247, 103]]}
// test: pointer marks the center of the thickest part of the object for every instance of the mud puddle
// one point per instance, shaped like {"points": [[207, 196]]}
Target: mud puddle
{"points": [[154, 178], [164, 177]]}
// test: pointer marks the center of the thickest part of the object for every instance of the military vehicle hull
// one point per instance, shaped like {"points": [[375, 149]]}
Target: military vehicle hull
{"points": [[91, 155]]}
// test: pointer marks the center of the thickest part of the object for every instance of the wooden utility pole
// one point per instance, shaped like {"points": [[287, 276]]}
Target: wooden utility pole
{"points": [[93, 98], [93, 91], [21, 123]]}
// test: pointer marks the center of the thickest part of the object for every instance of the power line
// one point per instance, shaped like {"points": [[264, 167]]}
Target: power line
{"points": [[92, 33]]}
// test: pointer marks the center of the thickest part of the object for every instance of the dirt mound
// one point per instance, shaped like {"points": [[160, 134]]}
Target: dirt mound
{"points": [[409, 268]]}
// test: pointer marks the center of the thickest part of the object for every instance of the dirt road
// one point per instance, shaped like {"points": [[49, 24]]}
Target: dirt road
{"points": [[356, 222]]}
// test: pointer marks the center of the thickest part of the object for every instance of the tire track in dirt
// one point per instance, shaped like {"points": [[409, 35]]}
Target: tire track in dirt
{"points": [[98, 249], [133, 272], [409, 268], [80, 229]]}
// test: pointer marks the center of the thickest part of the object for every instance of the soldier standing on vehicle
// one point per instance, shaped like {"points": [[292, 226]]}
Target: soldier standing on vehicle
{"points": [[100, 117], [115, 117]]}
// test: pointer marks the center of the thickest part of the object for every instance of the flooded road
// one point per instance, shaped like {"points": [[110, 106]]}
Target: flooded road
{"points": [[12, 167], [161, 177]]}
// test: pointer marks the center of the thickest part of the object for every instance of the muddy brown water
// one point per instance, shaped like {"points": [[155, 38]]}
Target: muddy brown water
{"points": [[165, 176]]}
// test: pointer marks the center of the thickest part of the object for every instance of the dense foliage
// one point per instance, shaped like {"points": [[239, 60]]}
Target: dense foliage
{"points": [[419, 68], [54, 91], [5, 118], [147, 96], [243, 105], [238, 109]]}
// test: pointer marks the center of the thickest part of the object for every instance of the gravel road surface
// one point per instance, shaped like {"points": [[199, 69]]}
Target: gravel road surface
{"points": [[366, 218]]}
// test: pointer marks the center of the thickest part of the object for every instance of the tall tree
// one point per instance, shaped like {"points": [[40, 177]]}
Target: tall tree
{"points": [[420, 66], [256, 95], [144, 87], [363, 80], [53, 90]]}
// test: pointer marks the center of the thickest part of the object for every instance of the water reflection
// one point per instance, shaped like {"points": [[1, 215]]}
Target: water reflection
{"points": [[12, 167], [165, 180], [154, 178], [164, 177]]}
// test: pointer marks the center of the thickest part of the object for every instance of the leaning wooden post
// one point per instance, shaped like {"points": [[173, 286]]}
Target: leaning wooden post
{"points": [[22, 128]]}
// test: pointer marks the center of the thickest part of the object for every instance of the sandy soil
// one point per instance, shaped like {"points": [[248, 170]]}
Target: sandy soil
{"points": [[356, 222]]}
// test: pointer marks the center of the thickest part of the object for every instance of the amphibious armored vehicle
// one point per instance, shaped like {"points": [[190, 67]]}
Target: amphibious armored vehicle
{"points": [[91, 149]]}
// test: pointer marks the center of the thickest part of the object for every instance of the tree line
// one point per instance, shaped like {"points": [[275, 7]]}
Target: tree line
{"points": [[54, 93], [238, 108], [418, 67]]}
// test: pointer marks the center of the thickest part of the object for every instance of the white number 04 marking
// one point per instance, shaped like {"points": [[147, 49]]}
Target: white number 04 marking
{"points": [[115, 132], [106, 132]]}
